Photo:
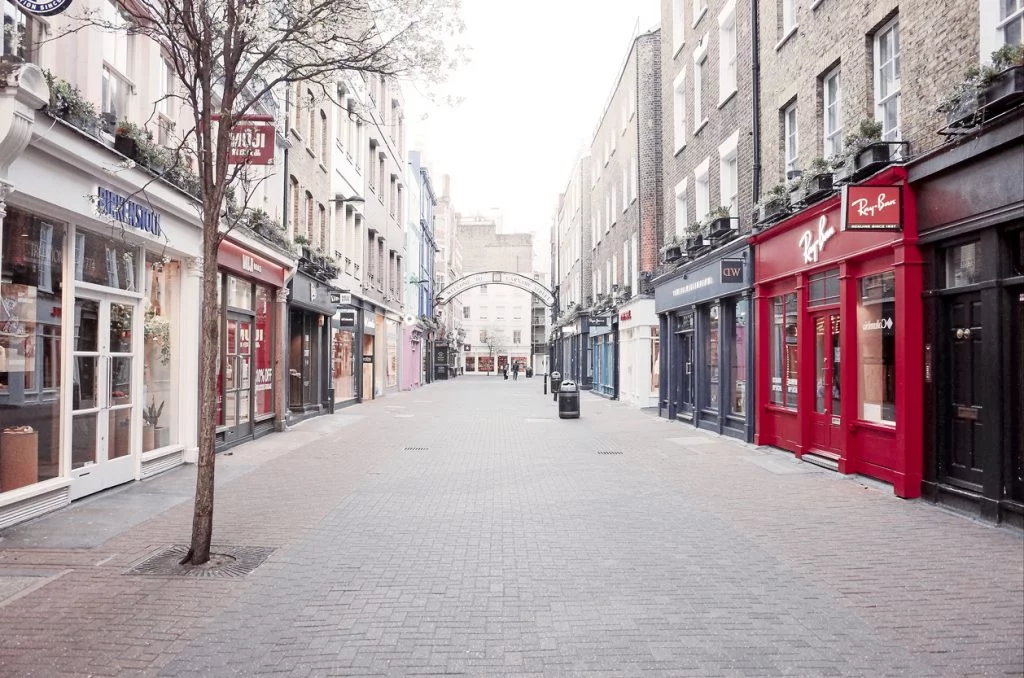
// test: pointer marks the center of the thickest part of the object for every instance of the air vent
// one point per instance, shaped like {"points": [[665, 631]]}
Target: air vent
{"points": [[35, 506], [160, 464]]}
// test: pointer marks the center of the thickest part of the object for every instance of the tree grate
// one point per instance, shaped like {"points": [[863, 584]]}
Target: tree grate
{"points": [[226, 562], [609, 451]]}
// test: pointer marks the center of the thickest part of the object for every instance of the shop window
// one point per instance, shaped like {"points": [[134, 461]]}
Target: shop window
{"points": [[239, 293], [30, 349], [738, 383], [470, 364], [160, 415], [711, 348], [392, 365], [1017, 253], [100, 260], [824, 288], [963, 265], [784, 362], [344, 365], [876, 348], [22, 33], [655, 359], [264, 350]]}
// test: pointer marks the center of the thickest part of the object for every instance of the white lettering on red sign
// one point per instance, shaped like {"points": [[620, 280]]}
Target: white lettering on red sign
{"points": [[813, 246], [866, 210], [249, 264]]}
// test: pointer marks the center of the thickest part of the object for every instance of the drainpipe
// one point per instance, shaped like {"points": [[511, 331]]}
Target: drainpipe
{"points": [[755, 67]]}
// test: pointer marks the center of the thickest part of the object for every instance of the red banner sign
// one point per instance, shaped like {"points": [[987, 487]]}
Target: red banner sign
{"points": [[872, 208], [252, 143]]}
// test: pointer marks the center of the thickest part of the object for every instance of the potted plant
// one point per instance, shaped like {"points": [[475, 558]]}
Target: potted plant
{"points": [[795, 188], [721, 222], [961, 104], [128, 138], [69, 104], [817, 180], [673, 250], [158, 330], [1004, 80], [694, 236], [868, 151], [774, 205], [153, 436]]}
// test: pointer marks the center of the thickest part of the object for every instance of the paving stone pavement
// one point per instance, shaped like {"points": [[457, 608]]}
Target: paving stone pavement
{"points": [[463, 529]]}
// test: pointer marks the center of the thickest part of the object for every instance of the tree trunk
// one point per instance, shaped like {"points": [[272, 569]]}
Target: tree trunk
{"points": [[209, 349]]}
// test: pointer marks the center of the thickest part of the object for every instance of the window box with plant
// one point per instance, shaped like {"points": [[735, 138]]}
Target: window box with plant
{"points": [[694, 237], [868, 152], [795, 188], [721, 223], [961, 104], [774, 206], [68, 104], [817, 181], [1004, 80], [673, 250]]}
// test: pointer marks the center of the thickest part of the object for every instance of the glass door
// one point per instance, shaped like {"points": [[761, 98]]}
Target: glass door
{"points": [[238, 378], [826, 422], [104, 394]]}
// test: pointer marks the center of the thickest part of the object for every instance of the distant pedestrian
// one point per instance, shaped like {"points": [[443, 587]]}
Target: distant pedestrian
{"points": [[515, 371], [504, 372]]}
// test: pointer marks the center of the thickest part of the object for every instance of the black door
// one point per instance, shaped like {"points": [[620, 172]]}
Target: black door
{"points": [[685, 368], [963, 453], [1016, 384]]}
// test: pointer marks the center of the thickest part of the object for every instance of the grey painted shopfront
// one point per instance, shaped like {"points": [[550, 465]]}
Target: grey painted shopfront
{"points": [[707, 356]]}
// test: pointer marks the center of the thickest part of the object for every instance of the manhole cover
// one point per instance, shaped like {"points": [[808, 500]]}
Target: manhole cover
{"points": [[226, 562], [609, 451]]}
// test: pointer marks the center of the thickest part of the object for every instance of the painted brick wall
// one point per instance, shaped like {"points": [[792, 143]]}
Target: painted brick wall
{"points": [[938, 41]]}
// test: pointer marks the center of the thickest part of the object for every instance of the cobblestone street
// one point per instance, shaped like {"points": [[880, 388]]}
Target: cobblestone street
{"points": [[464, 529]]}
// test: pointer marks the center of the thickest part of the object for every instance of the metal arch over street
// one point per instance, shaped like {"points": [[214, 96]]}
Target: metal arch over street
{"points": [[496, 278]]}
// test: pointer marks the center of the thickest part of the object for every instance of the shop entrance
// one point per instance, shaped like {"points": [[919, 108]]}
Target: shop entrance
{"points": [[237, 376], [826, 422], [685, 342], [962, 454], [367, 391], [1016, 471], [105, 393]]}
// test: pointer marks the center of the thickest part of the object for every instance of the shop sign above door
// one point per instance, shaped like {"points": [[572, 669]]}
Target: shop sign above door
{"points": [[128, 212], [813, 244], [347, 318], [732, 271], [44, 7], [252, 141], [872, 208]]}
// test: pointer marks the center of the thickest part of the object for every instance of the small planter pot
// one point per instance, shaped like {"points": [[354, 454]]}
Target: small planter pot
{"points": [[843, 173], [306, 252], [964, 115], [771, 212], [723, 226], [1004, 92], [694, 243], [819, 186], [796, 196], [673, 253], [875, 157], [126, 146]]}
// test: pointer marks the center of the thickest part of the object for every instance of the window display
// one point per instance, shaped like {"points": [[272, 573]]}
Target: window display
{"points": [[470, 364], [876, 348], [344, 365], [655, 359], [30, 349], [711, 357], [263, 356], [100, 260], [392, 348], [738, 384], [159, 414], [784, 351]]}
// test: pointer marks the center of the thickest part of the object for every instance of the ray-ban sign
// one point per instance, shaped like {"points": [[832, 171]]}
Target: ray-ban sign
{"points": [[44, 7], [872, 208]]}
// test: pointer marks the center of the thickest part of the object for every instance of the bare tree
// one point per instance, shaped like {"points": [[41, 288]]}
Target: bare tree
{"points": [[494, 340], [229, 55]]}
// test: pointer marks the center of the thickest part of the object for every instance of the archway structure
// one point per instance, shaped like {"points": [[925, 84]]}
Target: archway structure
{"points": [[495, 278]]}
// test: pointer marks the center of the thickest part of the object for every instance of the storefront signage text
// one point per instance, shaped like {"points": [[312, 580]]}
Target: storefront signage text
{"points": [[251, 265], [368, 359], [732, 271], [252, 140], [812, 246], [347, 318], [341, 298], [368, 322], [264, 378], [44, 7], [598, 321], [626, 315], [872, 208], [881, 324], [690, 287], [127, 211]]}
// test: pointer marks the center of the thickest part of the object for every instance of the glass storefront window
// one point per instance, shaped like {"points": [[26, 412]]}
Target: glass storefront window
{"points": [[486, 363], [876, 348], [100, 260], [738, 384], [344, 365], [824, 288], [239, 293], [784, 351], [31, 285], [963, 265], [392, 347], [711, 345], [264, 365], [655, 359], [470, 364], [159, 412]]}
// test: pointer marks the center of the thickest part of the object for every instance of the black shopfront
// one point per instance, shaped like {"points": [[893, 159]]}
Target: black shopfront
{"points": [[310, 311], [970, 198], [707, 355]]}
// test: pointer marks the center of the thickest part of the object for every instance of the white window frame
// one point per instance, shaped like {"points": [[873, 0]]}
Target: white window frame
{"points": [[728, 173], [625, 187], [700, 62], [614, 213], [607, 212], [615, 269], [790, 138], [700, 8], [1015, 16], [678, 26], [702, 189], [727, 52], [634, 179], [893, 133], [993, 25], [634, 269], [680, 207], [679, 110], [627, 274], [832, 138], [789, 23], [632, 102]]}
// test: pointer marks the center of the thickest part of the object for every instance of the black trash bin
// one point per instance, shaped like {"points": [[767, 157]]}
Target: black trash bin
{"points": [[556, 382], [568, 400]]}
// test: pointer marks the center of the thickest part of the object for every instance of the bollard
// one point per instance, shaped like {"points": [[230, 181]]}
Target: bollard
{"points": [[556, 382]]}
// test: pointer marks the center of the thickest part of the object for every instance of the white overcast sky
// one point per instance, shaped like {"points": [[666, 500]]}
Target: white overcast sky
{"points": [[539, 75]]}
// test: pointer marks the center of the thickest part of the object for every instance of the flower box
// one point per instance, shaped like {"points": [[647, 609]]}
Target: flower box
{"points": [[1005, 91], [723, 226], [819, 186], [771, 212], [876, 156], [126, 146], [964, 115], [673, 253], [843, 173], [694, 243], [796, 195]]}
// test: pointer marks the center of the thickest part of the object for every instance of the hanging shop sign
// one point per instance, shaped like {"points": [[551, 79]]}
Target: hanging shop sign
{"points": [[341, 298], [872, 208], [128, 212], [347, 318], [626, 315], [252, 140], [44, 7], [732, 271]]}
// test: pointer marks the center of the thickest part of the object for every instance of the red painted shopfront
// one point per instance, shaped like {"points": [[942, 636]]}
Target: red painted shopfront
{"points": [[839, 353]]}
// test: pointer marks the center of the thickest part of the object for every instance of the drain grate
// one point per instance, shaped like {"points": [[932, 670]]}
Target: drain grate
{"points": [[226, 562], [609, 451], [415, 449]]}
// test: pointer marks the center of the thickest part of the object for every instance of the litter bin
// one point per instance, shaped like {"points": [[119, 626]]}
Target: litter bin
{"points": [[568, 401], [556, 382]]}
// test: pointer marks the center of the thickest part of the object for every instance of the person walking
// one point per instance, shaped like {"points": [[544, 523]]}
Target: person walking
{"points": [[515, 371]]}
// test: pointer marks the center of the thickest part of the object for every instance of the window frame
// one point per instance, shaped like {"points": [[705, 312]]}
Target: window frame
{"points": [[891, 28], [790, 138], [832, 137], [681, 216], [727, 35], [702, 189], [679, 110]]}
